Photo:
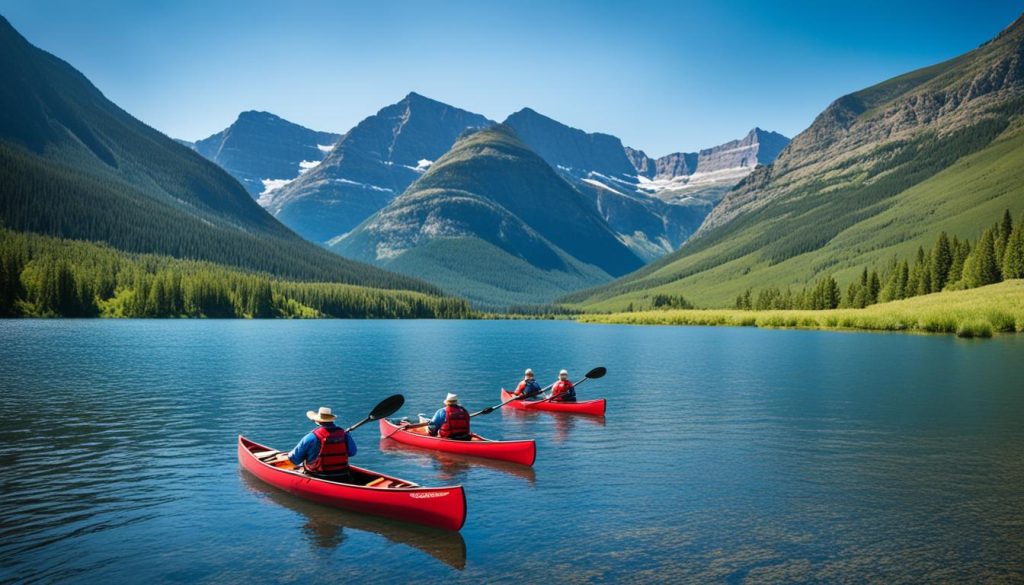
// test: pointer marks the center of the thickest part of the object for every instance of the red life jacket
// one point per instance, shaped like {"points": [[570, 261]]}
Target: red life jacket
{"points": [[563, 387], [456, 422], [333, 456]]}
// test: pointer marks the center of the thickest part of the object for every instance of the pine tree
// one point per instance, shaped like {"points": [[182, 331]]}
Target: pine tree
{"points": [[874, 288], [924, 283], [1005, 228], [942, 260], [981, 267], [1013, 256], [961, 250]]}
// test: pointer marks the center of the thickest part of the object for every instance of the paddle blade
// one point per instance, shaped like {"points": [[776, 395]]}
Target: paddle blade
{"points": [[387, 407], [597, 372]]}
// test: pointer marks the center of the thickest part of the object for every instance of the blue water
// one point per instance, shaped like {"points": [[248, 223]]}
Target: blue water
{"points": [[727, 455]]}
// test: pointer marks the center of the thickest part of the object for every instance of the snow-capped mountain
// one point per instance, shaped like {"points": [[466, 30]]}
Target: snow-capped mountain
{"points": [[371, 165], [265, 152], [653, 205], [707, 174]]}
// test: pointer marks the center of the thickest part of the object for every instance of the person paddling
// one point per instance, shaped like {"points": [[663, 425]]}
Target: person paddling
{"points": [[563, 390], [325, 450], [528, 387], [450, 422]]}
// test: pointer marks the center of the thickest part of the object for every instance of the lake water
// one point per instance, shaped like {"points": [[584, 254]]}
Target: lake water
{"points": [[727, 454]]}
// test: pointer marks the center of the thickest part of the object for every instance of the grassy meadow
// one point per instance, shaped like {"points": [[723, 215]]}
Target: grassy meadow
{"points": [[978, 312]]}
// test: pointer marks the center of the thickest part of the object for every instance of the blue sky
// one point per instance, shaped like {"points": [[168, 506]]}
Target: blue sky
{"points": [[663, 76]]}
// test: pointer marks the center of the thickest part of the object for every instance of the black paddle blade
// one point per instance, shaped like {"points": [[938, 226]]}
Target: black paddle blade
{"points": [[387, 407], [597, 372]]}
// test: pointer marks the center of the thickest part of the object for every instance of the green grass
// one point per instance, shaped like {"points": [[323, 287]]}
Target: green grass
{"points": [[976, 312]]}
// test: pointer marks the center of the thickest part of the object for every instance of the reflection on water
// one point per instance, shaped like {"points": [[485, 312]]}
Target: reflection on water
{"points": [[453, 467], [325, 526], [564, 423]]}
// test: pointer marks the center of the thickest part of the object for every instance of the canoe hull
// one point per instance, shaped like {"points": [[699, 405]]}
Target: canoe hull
{"points": [[591, 407], [443, 507], [521, 452]]}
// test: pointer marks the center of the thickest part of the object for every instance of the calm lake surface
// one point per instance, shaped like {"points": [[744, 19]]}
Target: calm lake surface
{"points": [[727, 455]]}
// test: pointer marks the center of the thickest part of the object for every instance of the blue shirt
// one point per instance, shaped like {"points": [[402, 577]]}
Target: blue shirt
{"points": [[438, 419], [308, 448]]}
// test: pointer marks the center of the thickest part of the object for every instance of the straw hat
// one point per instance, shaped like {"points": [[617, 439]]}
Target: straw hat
{"points": [[451, 398], [324, 415]]}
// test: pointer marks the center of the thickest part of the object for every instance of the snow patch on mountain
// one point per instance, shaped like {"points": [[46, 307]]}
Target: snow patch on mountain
{"points": [[269, 186]]}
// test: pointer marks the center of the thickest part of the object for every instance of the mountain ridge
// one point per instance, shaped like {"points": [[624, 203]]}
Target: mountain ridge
{"points": [[369, 166], [261, 149]]}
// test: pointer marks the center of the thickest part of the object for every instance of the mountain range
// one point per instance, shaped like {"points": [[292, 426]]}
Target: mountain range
{"points": [[492, 221], [371, 169], [653, 211], [75, 165], [879, 173], [369, 166]]}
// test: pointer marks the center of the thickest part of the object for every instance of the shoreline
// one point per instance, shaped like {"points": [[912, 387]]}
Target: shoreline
{"points": [[979, 312]]}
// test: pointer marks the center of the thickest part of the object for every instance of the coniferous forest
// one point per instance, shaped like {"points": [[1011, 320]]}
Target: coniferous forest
{"points": [[41, 276], [951, 264]]}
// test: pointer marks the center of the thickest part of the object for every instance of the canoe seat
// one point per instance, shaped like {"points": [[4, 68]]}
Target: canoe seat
{"points": [[383, 482], [262, 455]]}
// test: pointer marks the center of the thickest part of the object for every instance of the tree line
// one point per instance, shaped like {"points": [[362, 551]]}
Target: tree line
{"points": [[950, 264], [41, 276]]}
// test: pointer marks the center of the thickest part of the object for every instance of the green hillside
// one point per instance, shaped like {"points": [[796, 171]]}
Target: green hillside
{"points": [[74, 165], [879, 173], [493, 222]]}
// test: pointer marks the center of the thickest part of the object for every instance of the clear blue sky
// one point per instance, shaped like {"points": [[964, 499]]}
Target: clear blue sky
{"points": [[663, 76]]}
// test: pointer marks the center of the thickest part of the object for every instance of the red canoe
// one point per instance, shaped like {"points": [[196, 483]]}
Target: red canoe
{"points": [[592, 407], [373, 493], [522, 452]]}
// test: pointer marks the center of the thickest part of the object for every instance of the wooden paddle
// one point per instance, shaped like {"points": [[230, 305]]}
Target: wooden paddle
{"points": [[591, 375]]}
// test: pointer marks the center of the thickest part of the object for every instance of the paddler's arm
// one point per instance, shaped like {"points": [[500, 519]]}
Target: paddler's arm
{"points": [[351, 444], [436, 422], [301, 451]]}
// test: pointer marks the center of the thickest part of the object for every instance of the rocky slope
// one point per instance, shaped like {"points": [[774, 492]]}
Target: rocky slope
{"points": [[710, 173], [264, 151], [653, 205], [369, 166]]}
